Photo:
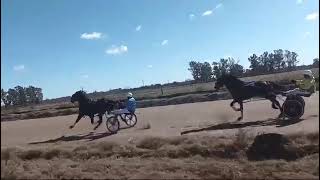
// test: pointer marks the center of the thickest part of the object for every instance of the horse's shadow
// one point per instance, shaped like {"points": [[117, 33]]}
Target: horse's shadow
{"points": [[235, 125], [89, 137]]}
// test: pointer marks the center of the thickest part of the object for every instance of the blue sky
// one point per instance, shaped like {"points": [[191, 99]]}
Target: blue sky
{"points": [[63, 45]]}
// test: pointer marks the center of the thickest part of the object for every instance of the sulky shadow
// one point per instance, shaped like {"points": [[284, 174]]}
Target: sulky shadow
{"points": [[237, 125], [89, 137]]}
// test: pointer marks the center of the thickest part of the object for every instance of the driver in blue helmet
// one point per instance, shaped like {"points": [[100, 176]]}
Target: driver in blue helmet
{"points": [[130, 106]]}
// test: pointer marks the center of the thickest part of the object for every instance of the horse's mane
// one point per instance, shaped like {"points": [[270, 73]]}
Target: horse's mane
{"points": [[232, 78]]}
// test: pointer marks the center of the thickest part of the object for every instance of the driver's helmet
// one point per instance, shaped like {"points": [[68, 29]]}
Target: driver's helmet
{"points": [[307, 73], [129, 95]]}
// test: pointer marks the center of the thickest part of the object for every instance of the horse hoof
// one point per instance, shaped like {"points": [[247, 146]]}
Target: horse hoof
{"points": [[239, 119], [274, 107]]}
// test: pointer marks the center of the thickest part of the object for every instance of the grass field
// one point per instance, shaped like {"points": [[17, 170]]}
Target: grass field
{"points": [[189, 157]]}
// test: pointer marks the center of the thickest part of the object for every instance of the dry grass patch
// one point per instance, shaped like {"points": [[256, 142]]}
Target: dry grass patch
{"points": [[186, 157]]}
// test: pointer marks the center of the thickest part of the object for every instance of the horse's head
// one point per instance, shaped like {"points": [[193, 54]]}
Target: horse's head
{"points": [[226, 79], [78, 96]]}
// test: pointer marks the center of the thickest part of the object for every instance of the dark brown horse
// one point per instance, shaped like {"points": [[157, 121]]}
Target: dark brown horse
{"points": [[241, 91], [88, 107]]}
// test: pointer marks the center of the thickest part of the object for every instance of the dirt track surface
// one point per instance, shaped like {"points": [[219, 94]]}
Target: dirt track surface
{"points": [[216, 117]]}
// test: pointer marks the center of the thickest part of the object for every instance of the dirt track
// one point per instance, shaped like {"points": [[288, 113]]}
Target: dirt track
{"points": [[164, 121]]}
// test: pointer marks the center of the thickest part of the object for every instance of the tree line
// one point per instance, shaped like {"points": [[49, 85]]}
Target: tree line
{"points": [[19, 96], [268, 62]]}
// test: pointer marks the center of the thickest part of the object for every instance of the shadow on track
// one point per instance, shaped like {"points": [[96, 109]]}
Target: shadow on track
{"points": [[234, 125], [89, 137]]}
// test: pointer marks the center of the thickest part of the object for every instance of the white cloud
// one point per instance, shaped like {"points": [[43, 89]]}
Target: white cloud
{"points": [[164, 42], [138, 28], [207, 13], [94, 35], [85, 76], [114, 50], [219, 5], [149, 66], [312, 16], [18, 67], [191, 16], [299, 1]]}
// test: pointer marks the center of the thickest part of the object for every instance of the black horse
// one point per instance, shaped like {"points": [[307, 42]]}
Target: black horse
{"points": [[241, 91], [88, 107]]}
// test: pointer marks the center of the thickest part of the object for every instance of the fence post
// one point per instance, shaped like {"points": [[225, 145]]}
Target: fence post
{"points": [[161, 90]]}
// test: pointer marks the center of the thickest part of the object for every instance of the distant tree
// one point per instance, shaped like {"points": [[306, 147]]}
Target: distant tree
{"points": [[263, 61], [236, 69], [4, 98], [22, 99], [13, 96], [224, 65], [205, 72], [33, 95], [216, 70], [315, 62], [195, 68], [270, 62], [278, 59], [254, 63], [38, 95], [291, 59], [200, 71]]}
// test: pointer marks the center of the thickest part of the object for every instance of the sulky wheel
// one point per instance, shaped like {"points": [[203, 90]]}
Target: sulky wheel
{"points": [[113, 124], [293, 109], [131, 119], [297, 98]]}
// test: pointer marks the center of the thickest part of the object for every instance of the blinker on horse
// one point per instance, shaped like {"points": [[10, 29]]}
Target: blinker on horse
{"points": [[88, 107], [241, 91]]}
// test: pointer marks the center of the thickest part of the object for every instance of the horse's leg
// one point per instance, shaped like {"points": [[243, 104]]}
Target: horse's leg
{"points": [[274, 106], [241, 109], [99, 122], [232, 105], [276, 103], [92, 119], [77, 120]]}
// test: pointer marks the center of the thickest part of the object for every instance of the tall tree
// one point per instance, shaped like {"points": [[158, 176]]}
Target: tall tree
{"points": [[315, 62], [195, 68], [254, 63], [293, 60], [278, 58], [4, 98], [236, 69], [13, 96], [38, 95], [263, 59], [205, 72], [216, 70], [22, 100], [270, 62], [224, 65]]}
